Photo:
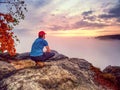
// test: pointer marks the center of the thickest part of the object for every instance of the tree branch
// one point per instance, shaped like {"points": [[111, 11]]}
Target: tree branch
{"points": [[6, 3]]}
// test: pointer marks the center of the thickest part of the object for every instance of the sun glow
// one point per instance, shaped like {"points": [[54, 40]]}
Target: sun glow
{"points": [[74, 33]]}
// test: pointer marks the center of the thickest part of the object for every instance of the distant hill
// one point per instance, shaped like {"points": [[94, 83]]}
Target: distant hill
{"points": [[116, 36]]}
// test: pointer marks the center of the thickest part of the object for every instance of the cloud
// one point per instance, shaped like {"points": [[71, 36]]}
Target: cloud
{"points": [[77, 24], [90, 18], [87, 13], [118, 20], [112, 13], [106, 16], [22, 31], [88, 25], [56, 27], [59, 22], [64, 15], [116, 10], [39, 3]]}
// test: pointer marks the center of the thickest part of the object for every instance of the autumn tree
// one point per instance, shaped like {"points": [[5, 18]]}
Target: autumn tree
{"points": [[11, 12]]}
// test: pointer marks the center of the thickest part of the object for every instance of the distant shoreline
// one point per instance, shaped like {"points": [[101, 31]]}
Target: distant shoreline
{"points": [[106, 37]]}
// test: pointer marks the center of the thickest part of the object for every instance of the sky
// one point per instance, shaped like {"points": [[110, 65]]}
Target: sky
{"points": [[71, 18]]}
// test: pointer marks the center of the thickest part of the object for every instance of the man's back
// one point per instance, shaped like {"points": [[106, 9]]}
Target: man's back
{"points": [[37, 47]]}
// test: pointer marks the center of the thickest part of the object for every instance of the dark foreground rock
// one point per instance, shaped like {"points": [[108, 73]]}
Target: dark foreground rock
{"points": [[26, 55], [5, 68], [115, 71], [60, 73]]}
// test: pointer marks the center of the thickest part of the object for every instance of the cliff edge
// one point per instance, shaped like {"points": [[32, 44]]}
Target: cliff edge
{"points": [[60, 73]]}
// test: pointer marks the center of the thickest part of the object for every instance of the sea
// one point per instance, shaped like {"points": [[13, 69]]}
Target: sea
{"points": [[100, 53]]}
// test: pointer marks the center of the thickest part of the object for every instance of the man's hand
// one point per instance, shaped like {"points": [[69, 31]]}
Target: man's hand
{"points": [[47, 49]]}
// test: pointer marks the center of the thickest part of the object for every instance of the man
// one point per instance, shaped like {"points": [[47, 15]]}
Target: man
{"points": [[37, 53]]}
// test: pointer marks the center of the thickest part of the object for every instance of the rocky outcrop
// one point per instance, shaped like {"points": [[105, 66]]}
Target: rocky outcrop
{"points": [[57, 56], [115, 71], [20, 64], [5, 68], [23, 56], [64, 74], [60, 73]]}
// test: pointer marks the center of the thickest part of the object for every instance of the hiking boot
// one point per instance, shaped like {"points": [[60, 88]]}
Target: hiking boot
{"points": [[40, 64]]}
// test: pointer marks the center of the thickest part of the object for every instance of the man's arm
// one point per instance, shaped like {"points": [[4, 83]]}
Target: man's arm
{"points": [[47, 49]]}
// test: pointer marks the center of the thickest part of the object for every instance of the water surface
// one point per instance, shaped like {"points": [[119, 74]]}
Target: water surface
{"points": [[100, 53]]}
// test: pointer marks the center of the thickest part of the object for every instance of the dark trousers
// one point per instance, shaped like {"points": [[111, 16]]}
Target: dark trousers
{"points": [[44, 57]]}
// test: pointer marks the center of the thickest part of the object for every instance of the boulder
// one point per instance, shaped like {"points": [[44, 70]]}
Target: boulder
{"points": [[57, 56], [6, 57], [22, 56], [5, 68], [26, 55], [64, 74], [60, 73], [115, 71]]}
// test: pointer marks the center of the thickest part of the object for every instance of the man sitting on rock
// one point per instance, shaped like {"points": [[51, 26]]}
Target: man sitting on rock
{"points": [[37, 53]]}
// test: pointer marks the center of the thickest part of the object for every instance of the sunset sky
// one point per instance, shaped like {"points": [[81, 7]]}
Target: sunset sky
{"points": [[71, 17]]}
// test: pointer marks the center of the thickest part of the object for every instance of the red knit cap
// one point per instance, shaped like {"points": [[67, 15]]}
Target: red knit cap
{"points": [[41, 33]]}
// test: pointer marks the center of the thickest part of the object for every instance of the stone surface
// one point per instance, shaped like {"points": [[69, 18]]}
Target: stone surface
{"points": [[5, 68], [115, 71], [64, 74], [23, 63], [21, 56], [60, 73], [57, 56], [26, 55], [112, 69]]}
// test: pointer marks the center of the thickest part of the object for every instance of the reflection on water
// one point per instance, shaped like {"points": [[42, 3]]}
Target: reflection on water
{"points": [[100, 53]]}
